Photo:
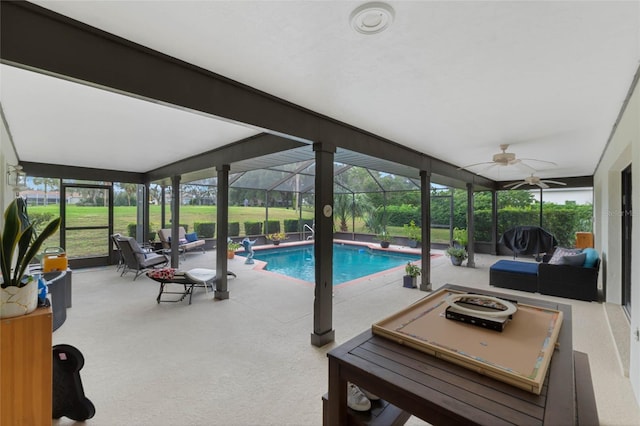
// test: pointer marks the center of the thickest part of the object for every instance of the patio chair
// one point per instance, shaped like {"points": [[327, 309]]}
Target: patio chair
{"points": [[138, 260], [116, 243], [197, 277]]}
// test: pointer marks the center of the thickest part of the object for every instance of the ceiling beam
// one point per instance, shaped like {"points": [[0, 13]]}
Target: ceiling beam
{"points": [[251, 147], [80, 173]]}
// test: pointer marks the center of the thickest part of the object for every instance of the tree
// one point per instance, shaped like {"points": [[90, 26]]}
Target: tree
{"points": [[131, 191], [49, 183], [347, 206]]}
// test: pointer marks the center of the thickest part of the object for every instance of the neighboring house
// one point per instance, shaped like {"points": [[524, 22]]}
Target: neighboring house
{"points": [[564, 195]]}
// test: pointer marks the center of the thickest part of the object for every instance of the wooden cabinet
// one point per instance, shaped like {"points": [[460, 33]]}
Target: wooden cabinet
{"points": [[25, 369]]}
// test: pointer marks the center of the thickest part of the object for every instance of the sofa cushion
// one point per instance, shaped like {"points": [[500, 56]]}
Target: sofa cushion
{"points": [[573, 260], [591, 257], [191, 237], [560, 252], [528, 268]]}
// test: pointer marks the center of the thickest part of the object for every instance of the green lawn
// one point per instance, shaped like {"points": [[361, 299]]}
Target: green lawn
{"points": [[93, 242]]}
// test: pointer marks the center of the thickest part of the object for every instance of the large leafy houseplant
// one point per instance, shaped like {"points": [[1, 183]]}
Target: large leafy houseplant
{"points": [[21, 236]]}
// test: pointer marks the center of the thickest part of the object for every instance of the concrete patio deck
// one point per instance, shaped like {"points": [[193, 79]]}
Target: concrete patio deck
{"points": [[248, 360]]}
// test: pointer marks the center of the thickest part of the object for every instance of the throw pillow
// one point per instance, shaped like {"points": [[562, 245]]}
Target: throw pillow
{"points": [[591, 257], [574, 260], [191, 237], [560, 252]]}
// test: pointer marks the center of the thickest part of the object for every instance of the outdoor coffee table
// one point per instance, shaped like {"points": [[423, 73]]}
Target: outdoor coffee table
{"points": [[443, 392]]}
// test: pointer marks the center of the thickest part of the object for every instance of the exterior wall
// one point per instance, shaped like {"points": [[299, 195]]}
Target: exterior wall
{"points": [[623, 149], [562, 195]]}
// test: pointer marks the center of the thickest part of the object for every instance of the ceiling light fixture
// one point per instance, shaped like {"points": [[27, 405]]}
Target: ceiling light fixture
{"points": [[16, 178], [372, 18]]}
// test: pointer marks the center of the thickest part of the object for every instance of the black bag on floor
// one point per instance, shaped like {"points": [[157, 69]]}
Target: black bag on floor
{"points": [[68, 394]]}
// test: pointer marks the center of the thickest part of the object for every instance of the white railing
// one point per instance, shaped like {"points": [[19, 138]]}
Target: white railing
{"points": [[304, 232]]}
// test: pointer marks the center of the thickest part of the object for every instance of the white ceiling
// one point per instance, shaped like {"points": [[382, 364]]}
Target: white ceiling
{"points": [[450, 79]]}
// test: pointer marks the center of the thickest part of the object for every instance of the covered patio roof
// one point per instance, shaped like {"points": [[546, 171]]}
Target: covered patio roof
{"points": [[117, 87]]}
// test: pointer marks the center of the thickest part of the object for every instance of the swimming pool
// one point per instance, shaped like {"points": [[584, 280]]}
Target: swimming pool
{"points": [[349, 261]]}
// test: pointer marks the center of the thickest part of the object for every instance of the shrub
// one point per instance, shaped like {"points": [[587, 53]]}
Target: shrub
{"points": [[272, 226], [291, 225], [40, 220], [399, 215], [252, 228], [205, 229], [233, 229], [132, 227]]}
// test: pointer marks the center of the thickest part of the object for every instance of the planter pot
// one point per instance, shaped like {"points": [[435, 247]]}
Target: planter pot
{"points": [[408, 281], [456, 261], [16, 301], [413, 243], [384, 244], [276, 243], [231, 254]]}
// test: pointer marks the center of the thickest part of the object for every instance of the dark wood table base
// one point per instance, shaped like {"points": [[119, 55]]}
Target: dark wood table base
{"points": [[441, 392]]}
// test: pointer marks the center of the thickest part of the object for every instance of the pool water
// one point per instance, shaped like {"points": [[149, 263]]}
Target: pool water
{"points": [[349, 261]]}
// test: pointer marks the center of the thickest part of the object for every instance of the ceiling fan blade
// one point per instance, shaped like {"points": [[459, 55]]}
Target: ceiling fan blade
{"points": [[475, 164], [539, 161], [511, 184], [519, 185], [487, 168], [543, 185], [554, 182], [525, 166]]}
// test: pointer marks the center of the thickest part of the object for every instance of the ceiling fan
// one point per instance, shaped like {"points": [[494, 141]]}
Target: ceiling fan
{"points": [[534, 180], [505, 158]]}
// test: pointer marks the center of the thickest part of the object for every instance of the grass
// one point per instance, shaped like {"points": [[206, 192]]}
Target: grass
{"points": [[94, 242]]}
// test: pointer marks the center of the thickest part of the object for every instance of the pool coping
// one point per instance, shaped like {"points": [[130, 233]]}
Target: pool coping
{"points": [[260, 265]]}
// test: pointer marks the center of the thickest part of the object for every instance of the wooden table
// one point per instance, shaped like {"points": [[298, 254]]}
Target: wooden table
{"points": [[441, 392]]}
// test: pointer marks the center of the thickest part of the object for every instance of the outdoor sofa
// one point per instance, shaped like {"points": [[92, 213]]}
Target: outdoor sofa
{"points": [[186, 241], [573, 275]]}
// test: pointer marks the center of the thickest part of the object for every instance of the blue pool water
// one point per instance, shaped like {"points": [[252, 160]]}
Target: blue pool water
{"points": [[349, 261]]}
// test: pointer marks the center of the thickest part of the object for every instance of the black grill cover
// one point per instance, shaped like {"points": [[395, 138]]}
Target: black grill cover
{"points": [[528, 240]]}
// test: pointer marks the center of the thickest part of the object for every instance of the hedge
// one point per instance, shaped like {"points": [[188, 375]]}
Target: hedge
{"points": [[233, 229], [561, 221], [271, 226], [252, 228], [132, 227], [291, 225], [205, 229]]}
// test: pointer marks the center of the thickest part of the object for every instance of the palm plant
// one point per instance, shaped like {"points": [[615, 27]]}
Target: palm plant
{"points": [[18, 234], [346, 206]]}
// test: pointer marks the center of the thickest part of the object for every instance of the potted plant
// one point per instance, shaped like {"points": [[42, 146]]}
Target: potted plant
{"points": [[457, 255], [231, 249], [18, 247], [412, 272], [384, 238], [414, 233], [460, 238], [277, 237]]}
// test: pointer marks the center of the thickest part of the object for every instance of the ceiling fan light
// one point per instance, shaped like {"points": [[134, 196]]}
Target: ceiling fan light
{"points": [[504, 158]]}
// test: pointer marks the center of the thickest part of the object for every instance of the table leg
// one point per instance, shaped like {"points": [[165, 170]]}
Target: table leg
{"points": [[337, 402]]}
